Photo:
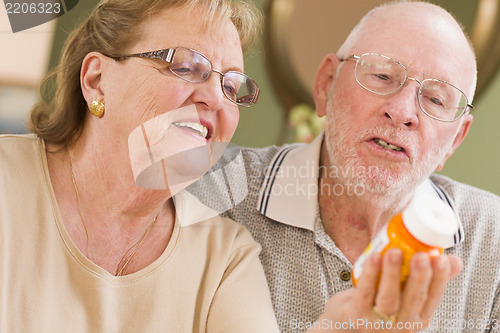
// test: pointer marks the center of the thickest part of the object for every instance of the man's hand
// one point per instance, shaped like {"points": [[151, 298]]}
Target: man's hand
{"points": [[407, 310]]}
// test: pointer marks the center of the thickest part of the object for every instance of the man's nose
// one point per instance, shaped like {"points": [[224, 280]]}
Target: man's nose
{"points": [[402, 107]]}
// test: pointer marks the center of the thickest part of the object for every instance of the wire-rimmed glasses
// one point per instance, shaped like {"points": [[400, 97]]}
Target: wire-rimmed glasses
{"points": [[192, 66], [383, 75]]}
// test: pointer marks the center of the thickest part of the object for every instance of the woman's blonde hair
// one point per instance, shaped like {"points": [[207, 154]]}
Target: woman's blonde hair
{"points": [[111, 29]]}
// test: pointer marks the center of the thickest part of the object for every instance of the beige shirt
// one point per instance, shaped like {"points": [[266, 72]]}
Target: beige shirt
{"points": [[209, 279]]}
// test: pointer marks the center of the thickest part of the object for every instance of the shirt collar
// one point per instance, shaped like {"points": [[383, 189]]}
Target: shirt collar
{"points": [[289, 193]]}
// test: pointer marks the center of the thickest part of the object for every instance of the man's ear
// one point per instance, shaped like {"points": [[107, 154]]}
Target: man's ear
{"points": [[91, 75], [323, 81], [459, 138]]}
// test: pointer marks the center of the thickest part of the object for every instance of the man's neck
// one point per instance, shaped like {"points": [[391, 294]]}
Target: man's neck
{"points": [[352, 219]]}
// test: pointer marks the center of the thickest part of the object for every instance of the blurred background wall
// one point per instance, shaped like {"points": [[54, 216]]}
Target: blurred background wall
{"points": [[27, 55]]}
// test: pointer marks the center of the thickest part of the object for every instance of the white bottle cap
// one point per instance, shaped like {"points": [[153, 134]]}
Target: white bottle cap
{"points": [[430, 220]]}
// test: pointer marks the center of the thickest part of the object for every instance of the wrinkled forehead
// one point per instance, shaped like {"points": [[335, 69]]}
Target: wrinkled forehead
{"points": [[200, 15], [177, 24], [423, 37]]}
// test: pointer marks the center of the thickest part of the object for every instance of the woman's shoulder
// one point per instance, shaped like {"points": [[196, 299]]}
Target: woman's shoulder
{"points": [[22, 164], [241, 236], [18, 146], [203, 214], [225, 234]]}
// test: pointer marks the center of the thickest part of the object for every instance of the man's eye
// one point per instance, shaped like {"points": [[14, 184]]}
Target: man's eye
{"points": [[383, 77], [436, 101]]}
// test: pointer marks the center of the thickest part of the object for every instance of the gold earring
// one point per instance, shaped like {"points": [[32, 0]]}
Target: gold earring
{"points": [[97, 109]]}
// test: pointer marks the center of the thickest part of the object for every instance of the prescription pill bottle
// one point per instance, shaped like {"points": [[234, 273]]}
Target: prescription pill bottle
{"points": [[426, 225]]}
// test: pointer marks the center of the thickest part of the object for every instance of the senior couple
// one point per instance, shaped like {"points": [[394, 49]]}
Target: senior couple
{"points": [[100, 233]]}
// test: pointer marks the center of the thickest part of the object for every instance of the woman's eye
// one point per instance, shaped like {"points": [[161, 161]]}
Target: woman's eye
{"points": [[230, 90], [182, 68]]}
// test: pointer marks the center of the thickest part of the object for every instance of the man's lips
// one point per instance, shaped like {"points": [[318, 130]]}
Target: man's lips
{"points": [[397, 147], [386, 145]]}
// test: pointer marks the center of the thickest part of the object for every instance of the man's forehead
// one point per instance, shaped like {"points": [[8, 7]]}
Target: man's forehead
{"points": [[430, 49]]}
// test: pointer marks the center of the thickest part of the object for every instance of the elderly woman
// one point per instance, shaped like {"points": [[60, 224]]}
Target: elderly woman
{"points": [[84, 247]]}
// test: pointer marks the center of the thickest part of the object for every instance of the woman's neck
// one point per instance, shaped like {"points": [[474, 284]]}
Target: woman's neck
{"points": [[104, 211]]}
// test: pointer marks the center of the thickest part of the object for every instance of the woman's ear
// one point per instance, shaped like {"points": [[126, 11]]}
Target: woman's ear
{"points": [[323, 81], [90, 77]]}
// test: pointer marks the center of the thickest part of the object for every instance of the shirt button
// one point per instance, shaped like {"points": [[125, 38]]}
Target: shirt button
{"points": [[345, 275]]}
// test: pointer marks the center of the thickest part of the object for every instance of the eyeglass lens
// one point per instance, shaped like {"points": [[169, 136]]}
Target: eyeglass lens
{"points": [[195, 67], [383, 75]]}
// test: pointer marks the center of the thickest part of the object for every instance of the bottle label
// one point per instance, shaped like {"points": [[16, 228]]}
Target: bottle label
{"points": [[377, 245]]}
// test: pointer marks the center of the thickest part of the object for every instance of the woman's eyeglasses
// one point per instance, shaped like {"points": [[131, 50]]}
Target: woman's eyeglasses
{"points": [[194, 67]]}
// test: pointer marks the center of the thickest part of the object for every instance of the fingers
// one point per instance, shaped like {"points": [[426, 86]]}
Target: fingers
{"points": [[445, 268], [426, 285], [456, 266], [389, 291], [416, 292], [378, 291], [422, 292], [377, 298], [366, 288]]}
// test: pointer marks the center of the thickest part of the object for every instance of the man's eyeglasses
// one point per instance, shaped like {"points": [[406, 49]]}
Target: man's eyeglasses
{"points": [[382, 75], [194, 67]]}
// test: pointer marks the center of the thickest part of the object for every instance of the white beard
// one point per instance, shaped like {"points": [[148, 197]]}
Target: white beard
{"points": [[376, 179]]}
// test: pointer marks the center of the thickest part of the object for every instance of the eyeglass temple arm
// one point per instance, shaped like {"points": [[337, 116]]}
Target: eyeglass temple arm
{"points": [[349, 57], [165, 55]]}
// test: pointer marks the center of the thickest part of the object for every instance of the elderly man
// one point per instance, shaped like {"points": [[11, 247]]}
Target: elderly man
{"points": [[397, 99]]}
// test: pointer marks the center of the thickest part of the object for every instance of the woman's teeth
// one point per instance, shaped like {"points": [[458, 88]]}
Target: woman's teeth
{"points": [[386, 145], [202, 130]]}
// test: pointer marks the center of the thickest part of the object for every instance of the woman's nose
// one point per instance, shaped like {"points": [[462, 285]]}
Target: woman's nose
{"points": [[210, 92]]}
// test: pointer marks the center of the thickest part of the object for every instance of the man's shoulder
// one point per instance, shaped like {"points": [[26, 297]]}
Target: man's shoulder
{"points": [[257, 160], [262, 156], [256, 163], [469, 201]]}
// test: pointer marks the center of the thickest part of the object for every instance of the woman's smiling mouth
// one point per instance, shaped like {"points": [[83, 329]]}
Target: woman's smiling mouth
{"points": [[195, 127]]}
